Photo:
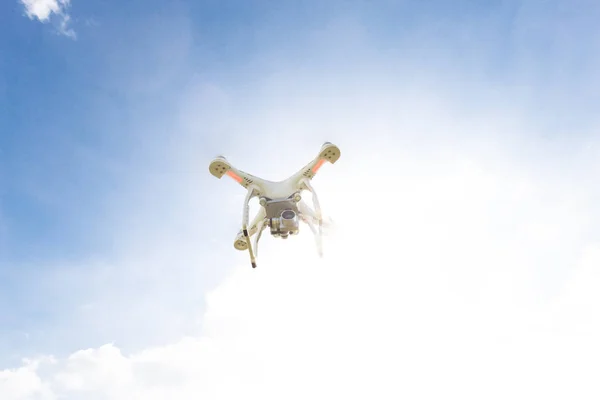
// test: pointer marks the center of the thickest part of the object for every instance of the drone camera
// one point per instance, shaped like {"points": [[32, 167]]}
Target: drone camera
{"points": [[286, 224]]}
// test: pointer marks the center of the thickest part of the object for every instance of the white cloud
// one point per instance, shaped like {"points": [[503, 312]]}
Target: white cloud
{"points": [[338, 329], [24, 382], [42, 10]]}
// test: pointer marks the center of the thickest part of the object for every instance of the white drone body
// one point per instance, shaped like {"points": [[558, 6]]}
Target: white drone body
{"points": [[282, 207]]}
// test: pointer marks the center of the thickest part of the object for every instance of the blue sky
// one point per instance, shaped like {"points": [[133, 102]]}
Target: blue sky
{"points": [[92, 92], [112, 230]]}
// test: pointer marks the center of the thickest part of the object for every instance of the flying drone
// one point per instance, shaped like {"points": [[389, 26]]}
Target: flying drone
{"points": [[281, 204]]}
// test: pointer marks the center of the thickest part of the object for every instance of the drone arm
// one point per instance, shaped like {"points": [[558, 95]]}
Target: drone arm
{"points": [[329, 153], [220, 167]]}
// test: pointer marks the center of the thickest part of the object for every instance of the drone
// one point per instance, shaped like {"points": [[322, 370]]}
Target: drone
{"points": [[281, 205]]}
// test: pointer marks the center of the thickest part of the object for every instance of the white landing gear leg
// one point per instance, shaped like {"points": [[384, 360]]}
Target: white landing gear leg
{"points": [[310, 218], [259, 228], [317, 215], [245, 218], [318, 236]]}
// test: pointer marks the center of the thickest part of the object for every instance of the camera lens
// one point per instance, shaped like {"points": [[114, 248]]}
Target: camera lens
{"points": [[288, 214]]}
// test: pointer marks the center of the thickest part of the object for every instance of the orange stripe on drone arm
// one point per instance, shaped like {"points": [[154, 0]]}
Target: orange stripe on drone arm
{"points": [[234, 176], [318, 165]]}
